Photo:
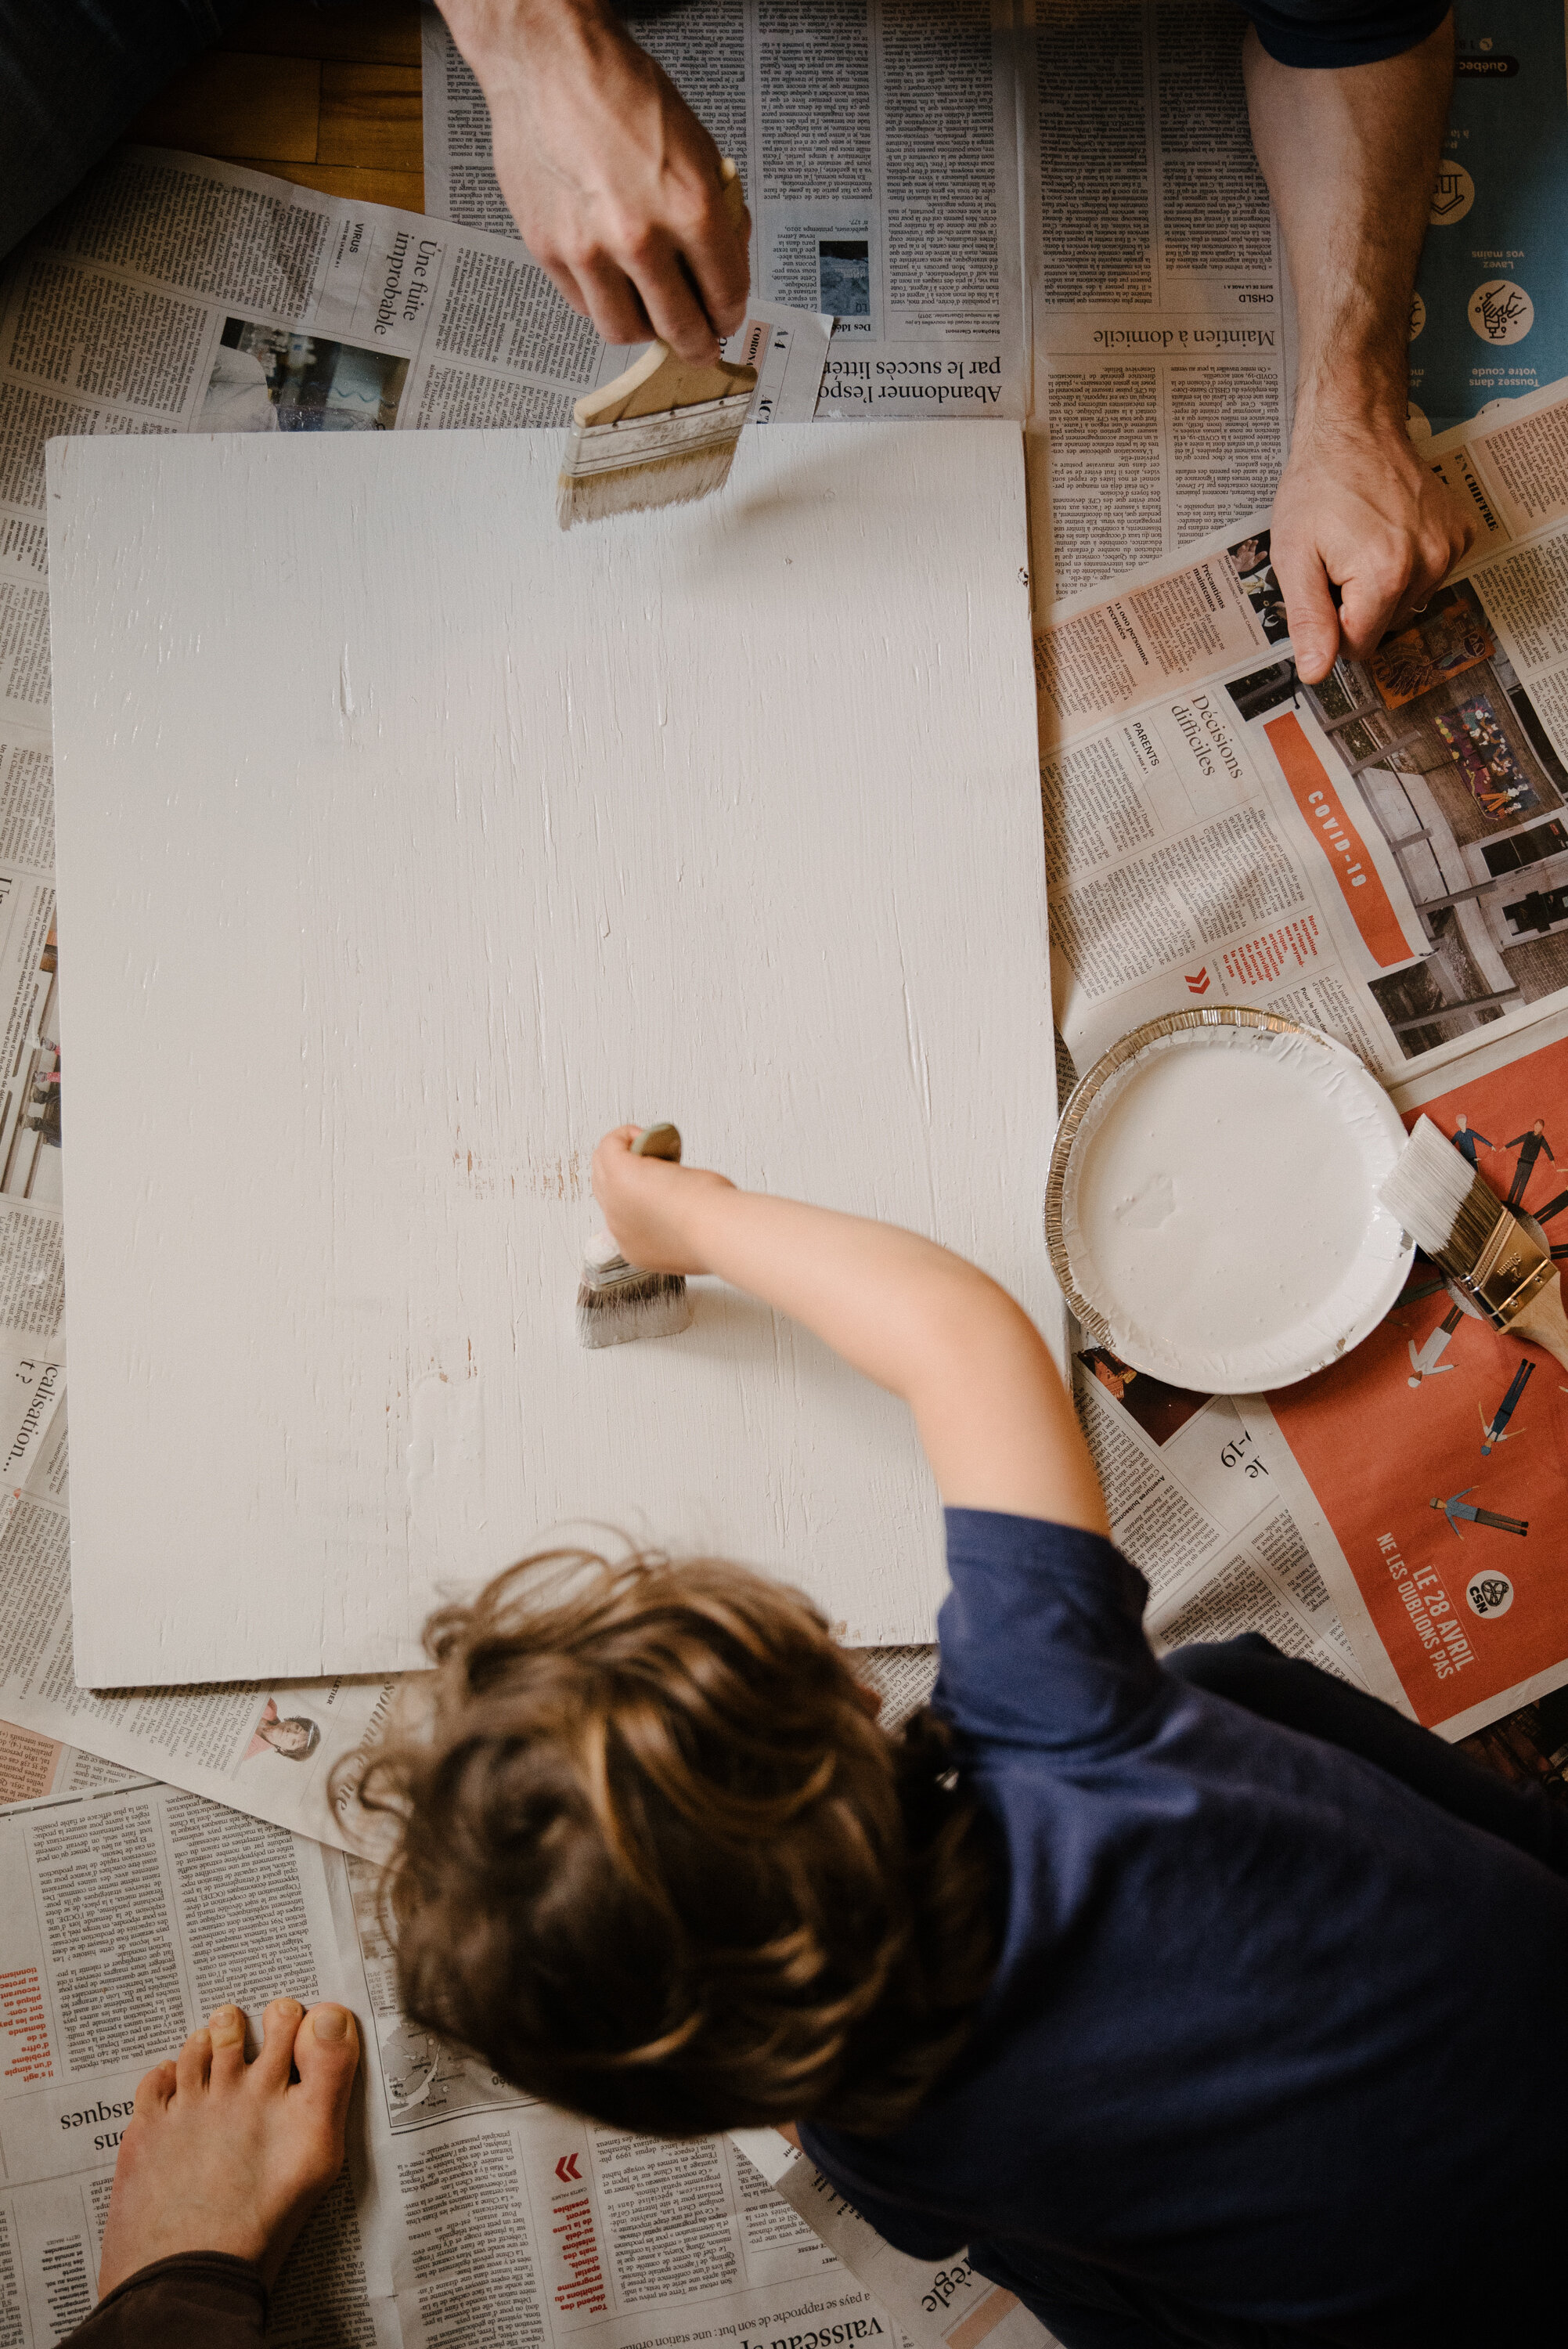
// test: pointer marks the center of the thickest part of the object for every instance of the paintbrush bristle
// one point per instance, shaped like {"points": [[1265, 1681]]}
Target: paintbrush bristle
{"points": [[1441, 1201], [620, 1309], [649, 461]]}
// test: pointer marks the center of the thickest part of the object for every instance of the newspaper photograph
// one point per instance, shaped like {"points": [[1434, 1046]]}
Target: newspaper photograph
{"points": [[1426, 1467], [877, 149], [175, 294], [1384, 854]]}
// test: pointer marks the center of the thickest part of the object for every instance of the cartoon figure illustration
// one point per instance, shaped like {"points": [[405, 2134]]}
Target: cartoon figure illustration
{"points": [[1530, 1147], [1493, 1434], [1457, 1507], [1424, 1357], [1465, 1138], [295, 1738]]}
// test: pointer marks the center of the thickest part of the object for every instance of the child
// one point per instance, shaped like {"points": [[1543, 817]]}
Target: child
{"points": [[1209, 2003]]}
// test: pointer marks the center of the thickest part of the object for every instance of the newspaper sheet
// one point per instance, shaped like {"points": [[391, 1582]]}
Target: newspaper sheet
{"points": [[877, 142], [466, 2213], [948, 2306], [1202, 1515], [1491, 315], [1384, 854], [1427, 1467], [1160, 312], [174, 295]]}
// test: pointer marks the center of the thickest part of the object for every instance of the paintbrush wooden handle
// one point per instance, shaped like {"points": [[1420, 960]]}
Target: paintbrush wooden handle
{"points": [[1543, 1322], [659, 380]]}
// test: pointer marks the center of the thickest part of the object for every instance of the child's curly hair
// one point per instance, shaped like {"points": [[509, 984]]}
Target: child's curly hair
{"points": [[657, 1862]]}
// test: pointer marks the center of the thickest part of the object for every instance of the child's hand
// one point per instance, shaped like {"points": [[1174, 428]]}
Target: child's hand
{"points": [[653, 1208]]}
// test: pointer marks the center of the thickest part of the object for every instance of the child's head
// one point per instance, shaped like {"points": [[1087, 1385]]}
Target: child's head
{"points": [[657, 1861]]}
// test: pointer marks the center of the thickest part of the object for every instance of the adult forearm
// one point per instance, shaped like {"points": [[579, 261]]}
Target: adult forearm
{"points": [[614, 183], [992, 1414], [1363, 531], [1351, 157]]}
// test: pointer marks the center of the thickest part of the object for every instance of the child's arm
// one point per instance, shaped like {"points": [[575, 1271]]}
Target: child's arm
{"points": [[997, 1426]]}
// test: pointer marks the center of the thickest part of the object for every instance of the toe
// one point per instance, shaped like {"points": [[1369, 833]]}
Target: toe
{"points": [[281, 2021], [154, 2091], [193, 2063], [327, 2054], [226, 2030]]}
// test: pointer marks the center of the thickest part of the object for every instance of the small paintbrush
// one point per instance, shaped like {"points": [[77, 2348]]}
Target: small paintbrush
{"points": [[1478, 1242], [617, 1303], [660, 435]]}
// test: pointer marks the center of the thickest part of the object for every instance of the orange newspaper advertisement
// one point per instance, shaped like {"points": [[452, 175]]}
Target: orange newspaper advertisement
{"points": [[1436, 1455]]}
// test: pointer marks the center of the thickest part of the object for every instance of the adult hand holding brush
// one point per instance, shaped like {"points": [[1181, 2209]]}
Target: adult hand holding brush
{"points": [[613, 181]]}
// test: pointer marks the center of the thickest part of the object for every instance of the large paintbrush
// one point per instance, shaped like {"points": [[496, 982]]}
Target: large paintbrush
{"points": [[617, 1301], [1480, 1244], [660, 435]]}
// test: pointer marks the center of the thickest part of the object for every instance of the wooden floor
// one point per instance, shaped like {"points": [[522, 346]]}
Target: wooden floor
{"points": [[328, 98]]}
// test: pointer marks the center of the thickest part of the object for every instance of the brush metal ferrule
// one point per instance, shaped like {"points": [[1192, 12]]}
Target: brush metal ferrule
{"points": [[614, 1274], [1511, 1270], [645, 440]]}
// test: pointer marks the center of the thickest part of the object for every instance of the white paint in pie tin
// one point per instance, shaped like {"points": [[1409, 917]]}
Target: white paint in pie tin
{"points": [[1220, 1210]]}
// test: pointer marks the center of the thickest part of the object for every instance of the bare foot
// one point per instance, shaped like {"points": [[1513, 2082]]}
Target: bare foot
{"points": [[224, 2156]]}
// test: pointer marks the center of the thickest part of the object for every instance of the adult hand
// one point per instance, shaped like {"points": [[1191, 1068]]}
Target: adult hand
{"points": [[1358, 508], [654, 1206], [613, 181]]}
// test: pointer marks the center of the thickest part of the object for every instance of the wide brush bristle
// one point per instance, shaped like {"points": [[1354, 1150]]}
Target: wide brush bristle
{"points": [[672, 481], [616, 1312], [1441, 1201]]}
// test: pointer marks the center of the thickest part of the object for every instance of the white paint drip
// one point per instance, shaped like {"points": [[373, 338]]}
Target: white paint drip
{"points": [[445, 1458]]}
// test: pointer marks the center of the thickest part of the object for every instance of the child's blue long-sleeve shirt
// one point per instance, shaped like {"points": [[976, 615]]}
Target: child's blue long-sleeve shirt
{"points": [[1276, 2050]]}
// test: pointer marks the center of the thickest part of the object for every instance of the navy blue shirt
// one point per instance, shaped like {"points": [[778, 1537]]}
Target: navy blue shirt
{"points": [[1343, 31], [1276, 2049]]}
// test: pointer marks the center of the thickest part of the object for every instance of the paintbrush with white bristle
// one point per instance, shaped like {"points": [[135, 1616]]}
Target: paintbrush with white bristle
{"points": [[660, 435], [617, 1303], [1480, 1244]]}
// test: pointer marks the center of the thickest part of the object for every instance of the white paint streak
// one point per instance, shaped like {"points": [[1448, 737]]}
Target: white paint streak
{"points": [[704, 814], [446, 1463]]}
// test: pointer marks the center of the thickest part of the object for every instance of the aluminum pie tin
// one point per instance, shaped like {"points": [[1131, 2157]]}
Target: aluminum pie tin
{"points": [[1212, 1208]]}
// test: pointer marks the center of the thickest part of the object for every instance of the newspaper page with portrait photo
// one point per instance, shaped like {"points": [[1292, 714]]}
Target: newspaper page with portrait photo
{"points": [[171, 293]]}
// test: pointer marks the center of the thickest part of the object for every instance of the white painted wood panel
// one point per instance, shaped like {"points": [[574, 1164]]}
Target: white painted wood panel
{"points": [[405, 844]]}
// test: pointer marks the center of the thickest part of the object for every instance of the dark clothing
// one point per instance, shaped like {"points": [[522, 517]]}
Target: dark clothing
{"points": [[73, 75], [1530, 1147], [203, 2300], [1342, 32], [1283, 1978], [1465, 1142]]}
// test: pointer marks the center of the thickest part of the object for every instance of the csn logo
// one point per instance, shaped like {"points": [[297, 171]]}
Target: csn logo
{"points": [[1489, 1594]]}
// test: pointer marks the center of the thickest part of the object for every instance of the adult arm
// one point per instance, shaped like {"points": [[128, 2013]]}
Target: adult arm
{"points": [[613, 181], [993, 1415], [1351, 154]]}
